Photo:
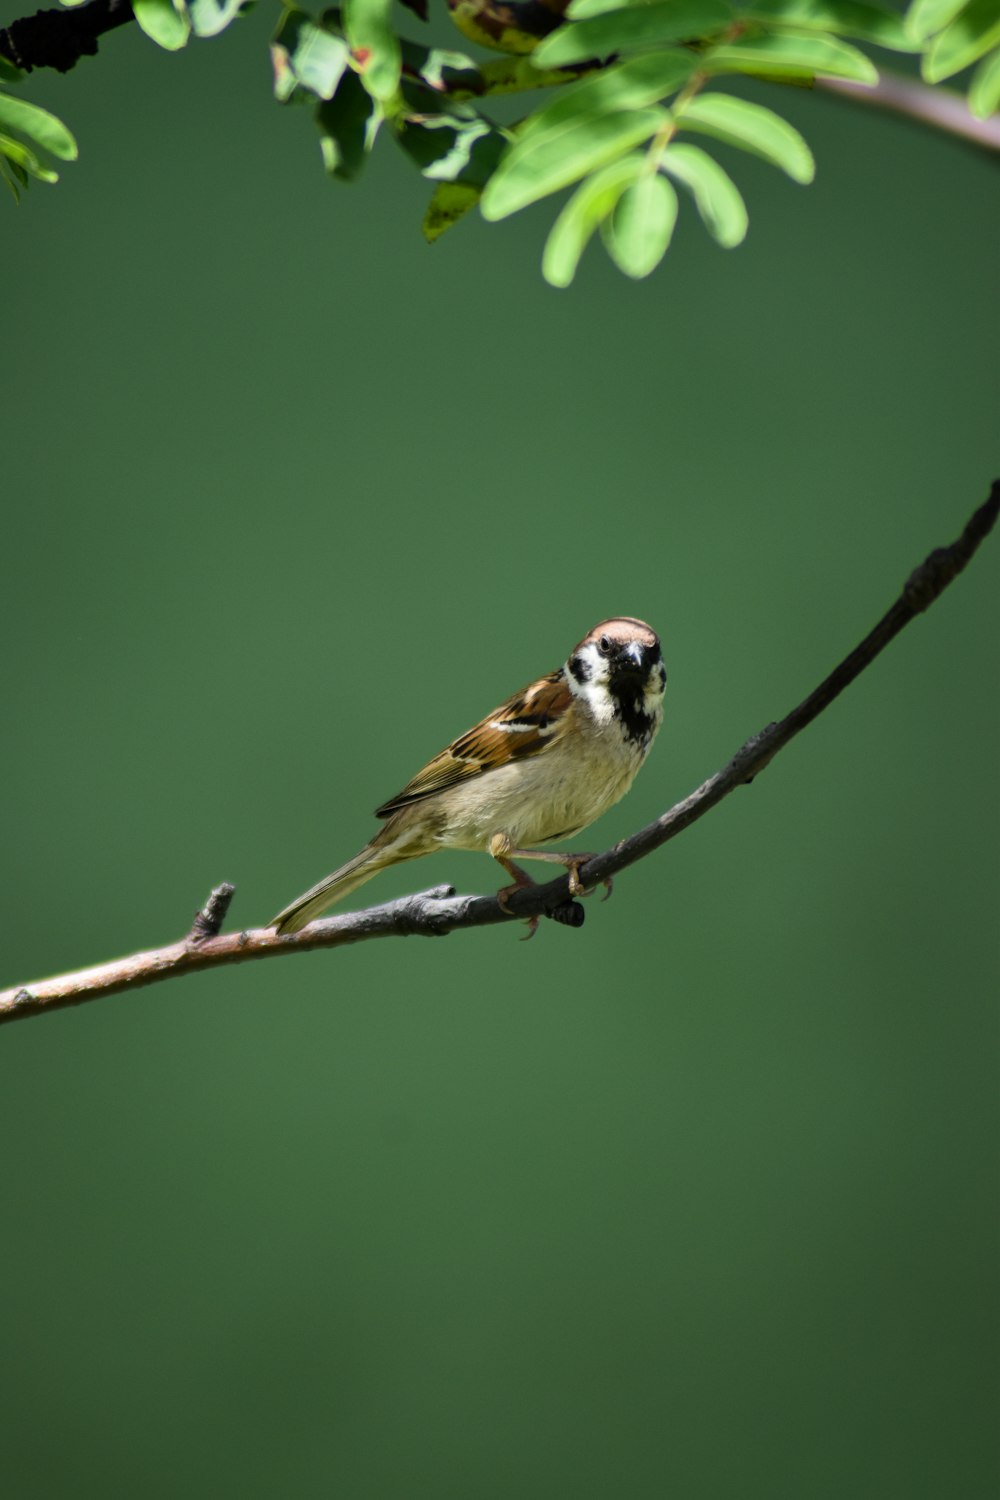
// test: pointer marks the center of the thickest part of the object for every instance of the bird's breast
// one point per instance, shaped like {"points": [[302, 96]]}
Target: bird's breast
{"points": [[553, 794]]}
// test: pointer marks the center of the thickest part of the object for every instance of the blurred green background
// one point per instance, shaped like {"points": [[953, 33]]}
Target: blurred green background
{"points": [[697, 1202]]}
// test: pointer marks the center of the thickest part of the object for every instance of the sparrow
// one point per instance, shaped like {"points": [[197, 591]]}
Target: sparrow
{"points": [[536, 770]]}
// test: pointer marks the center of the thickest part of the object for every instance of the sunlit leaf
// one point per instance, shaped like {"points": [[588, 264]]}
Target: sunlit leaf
{"points": [[593, 200], [536, 168], [871, 23], [715, 194], [440, 70], [634, 28], [164, 23], [984, 91], [38, 125], [309, 60], [453, 147], [752, 128], [792, 54], [629, 85], [638, 231], [209, 17], [348, 124], [924, 17], [968, 38], [374, 44], [582, 10]]}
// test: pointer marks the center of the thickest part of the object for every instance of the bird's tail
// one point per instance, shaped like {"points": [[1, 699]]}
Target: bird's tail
{"points": [[335, 887]]}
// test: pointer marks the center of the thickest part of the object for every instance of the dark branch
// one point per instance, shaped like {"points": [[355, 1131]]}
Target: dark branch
{"points": [[437, 912], [59, 38]]}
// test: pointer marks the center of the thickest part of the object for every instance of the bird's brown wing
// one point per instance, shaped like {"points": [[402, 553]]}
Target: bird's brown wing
{"points": [[525, 725]]}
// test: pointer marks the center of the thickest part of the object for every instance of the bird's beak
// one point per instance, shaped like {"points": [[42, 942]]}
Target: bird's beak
{"points": [[630, 662]]}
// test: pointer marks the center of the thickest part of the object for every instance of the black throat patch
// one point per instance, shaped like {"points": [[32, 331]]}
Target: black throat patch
{"points": [[631, 714]]}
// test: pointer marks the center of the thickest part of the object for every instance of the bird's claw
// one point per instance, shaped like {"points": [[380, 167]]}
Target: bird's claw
{"points": [[503, 901], [576, 885]]}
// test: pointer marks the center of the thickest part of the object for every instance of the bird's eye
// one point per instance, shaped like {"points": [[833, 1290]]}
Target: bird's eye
{"points": [[604, 646]]}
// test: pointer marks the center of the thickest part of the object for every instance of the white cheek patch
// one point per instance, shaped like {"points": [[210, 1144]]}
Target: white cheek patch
{"points": [[595, 668], [599, 700]]}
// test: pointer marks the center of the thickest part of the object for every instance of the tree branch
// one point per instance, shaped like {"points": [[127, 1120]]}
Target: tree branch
{"points": [[59, 38], [931, 105], [436, 912]]}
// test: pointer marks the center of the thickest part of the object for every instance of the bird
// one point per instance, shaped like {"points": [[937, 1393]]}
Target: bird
{"points": [[537, 770]]}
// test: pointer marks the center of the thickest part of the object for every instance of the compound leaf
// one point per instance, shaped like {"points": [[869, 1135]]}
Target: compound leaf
{"points": [[791, 54], [537, 167], [169, 26], [593, 200], [632, 28], [716, 196], [752, 128], [637, 232]]}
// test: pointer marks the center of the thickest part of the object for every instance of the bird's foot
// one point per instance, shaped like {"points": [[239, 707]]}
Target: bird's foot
{"points": [[576, 885], [521, 880], [503, 900]]}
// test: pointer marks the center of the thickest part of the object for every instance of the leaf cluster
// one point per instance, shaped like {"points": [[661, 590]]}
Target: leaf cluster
{"points": [[29, 135], [625, 83], [622, 85], [952, 36]]}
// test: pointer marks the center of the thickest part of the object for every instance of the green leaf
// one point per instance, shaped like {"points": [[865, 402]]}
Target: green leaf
{"points": [[26, 159], [582, 10], [450, 202], [924, 17], [630, 85], [633, 28], [308, 59], [441, 71], [715, 194], [38, 125], [164, 23], [12, 177], [535, 168], [975, 32], [984, 92], [17, 176], [454, 148], [209, 17], [751, 127], [348, 124], [375, 45], [791, 54], [638, 232], [872, 23], [593, 200], [10, 74]]}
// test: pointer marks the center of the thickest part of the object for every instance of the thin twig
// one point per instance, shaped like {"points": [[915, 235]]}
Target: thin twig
{"points": [[438, 911], [926, 104]]}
